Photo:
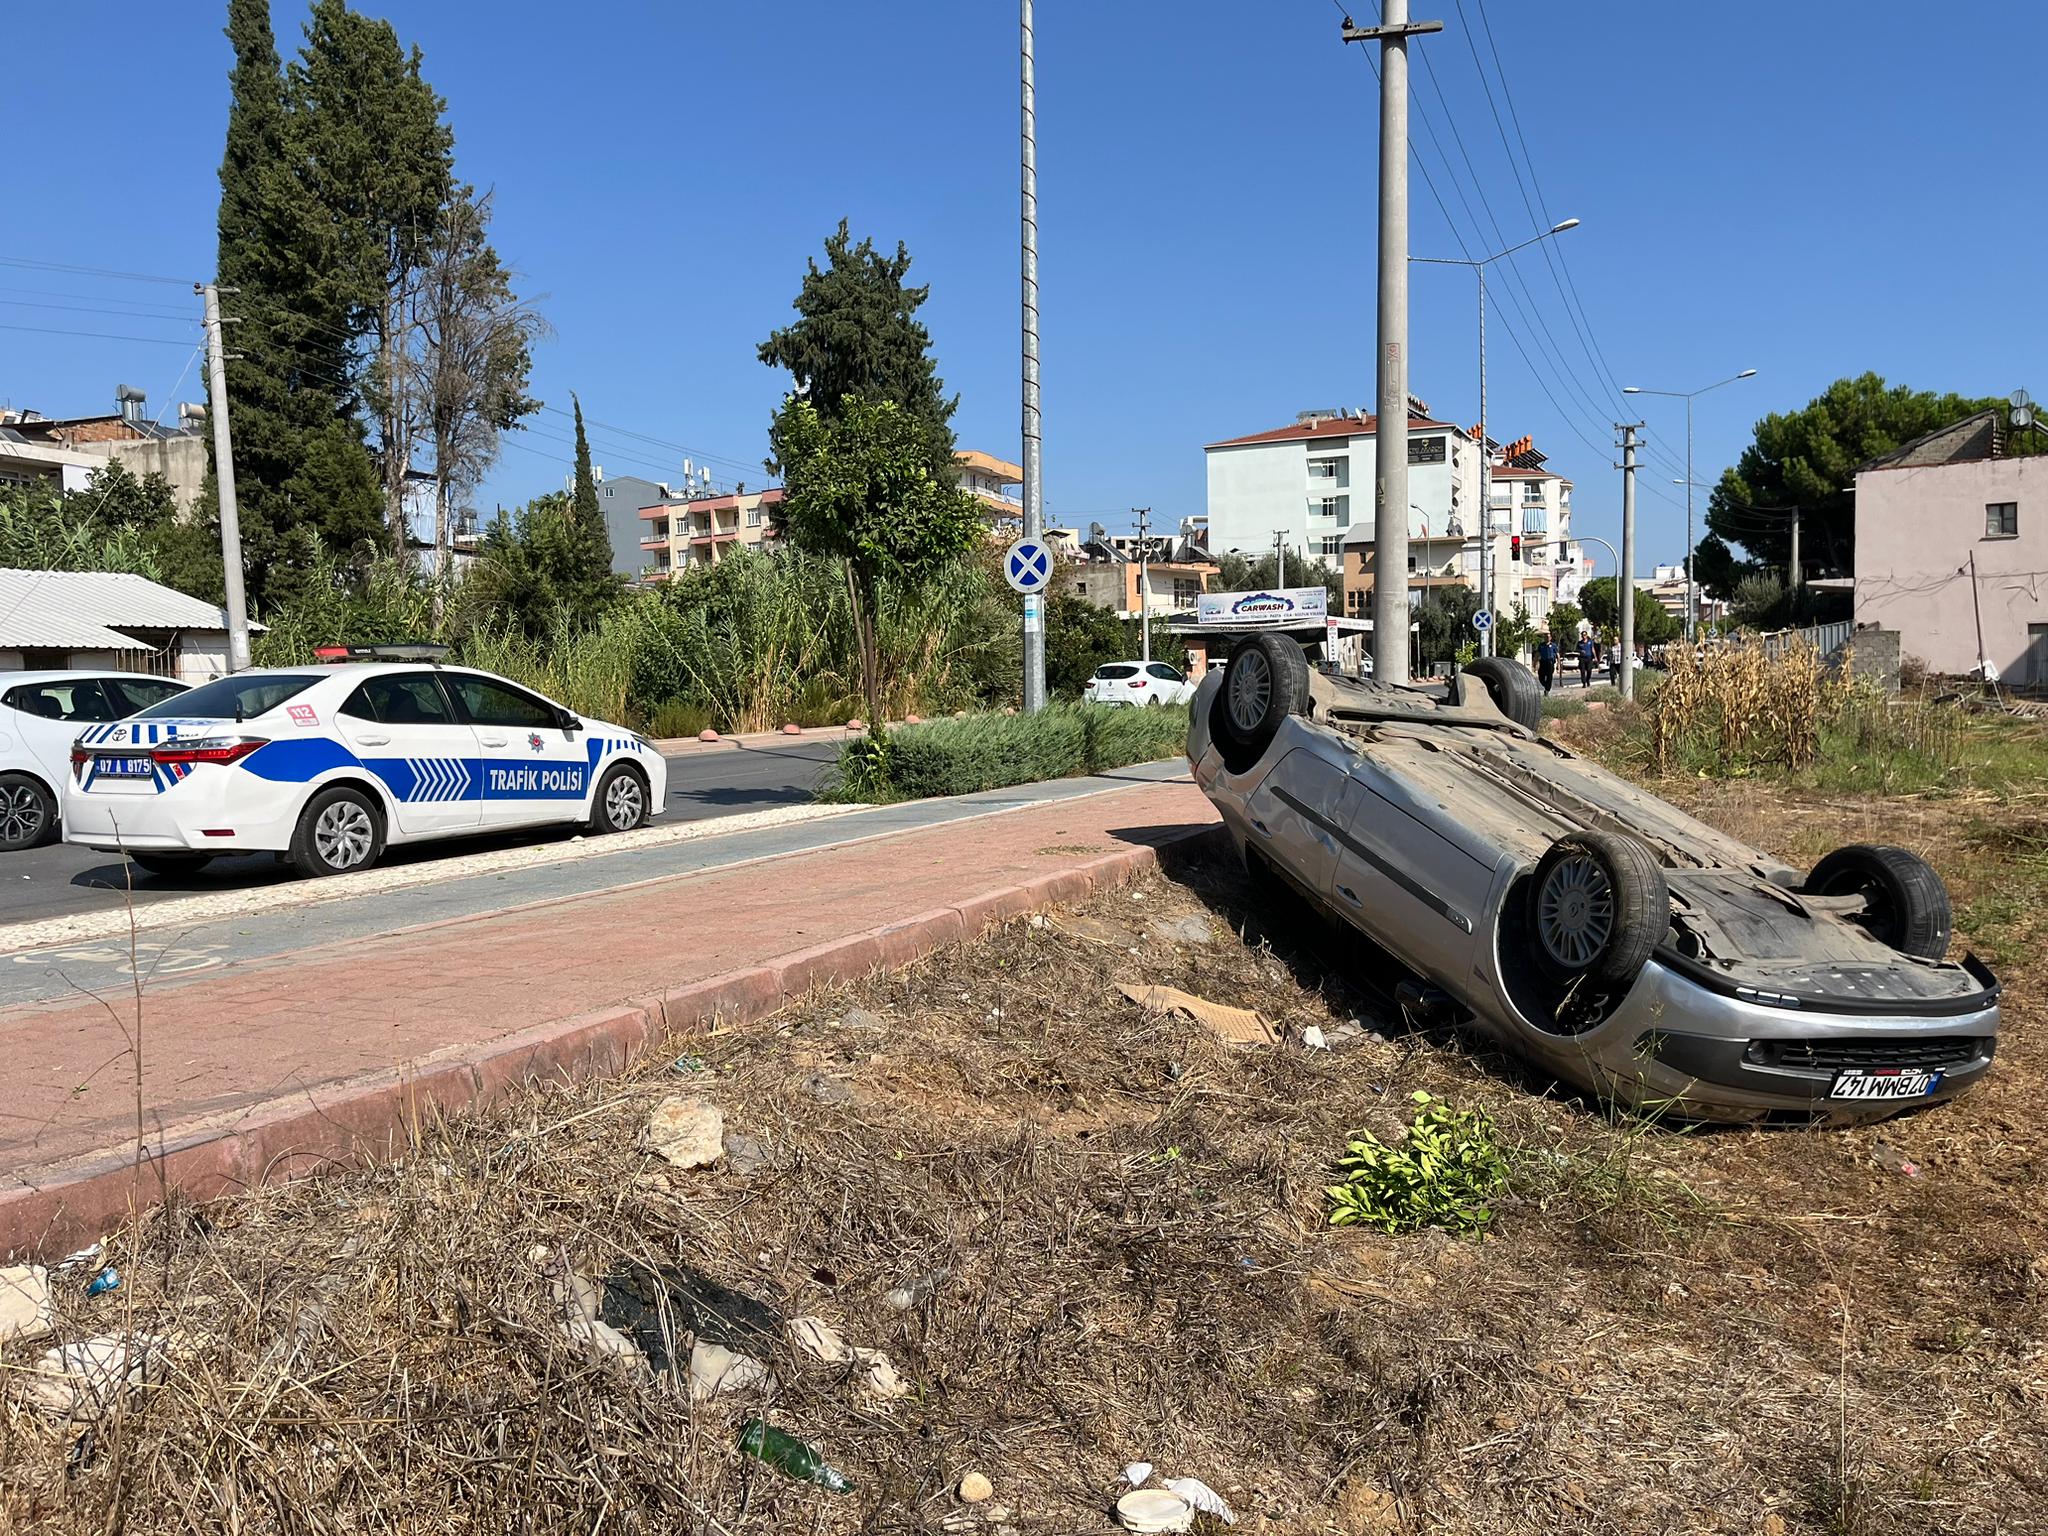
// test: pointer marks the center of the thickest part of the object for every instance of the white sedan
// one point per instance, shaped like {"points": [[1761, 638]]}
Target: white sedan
{"points": [[41, 714], [328, 764], [1137, 682]]}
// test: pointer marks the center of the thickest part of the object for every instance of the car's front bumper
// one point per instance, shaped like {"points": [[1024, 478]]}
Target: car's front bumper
{"points": [[1679, 1046]]}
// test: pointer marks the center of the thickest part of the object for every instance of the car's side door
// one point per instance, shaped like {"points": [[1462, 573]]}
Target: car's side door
{"points": [[1294, 817], [536, 768], [406, 730], [50, 715], [1173, 688], [1415, 890]]}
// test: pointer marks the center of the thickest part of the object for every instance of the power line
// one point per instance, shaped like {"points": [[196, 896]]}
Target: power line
{"points": [[44, 330], [84, 309], [58, 266]]}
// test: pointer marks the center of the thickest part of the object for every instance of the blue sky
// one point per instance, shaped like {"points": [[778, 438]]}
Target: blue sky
{"points": [[1816, 193]]}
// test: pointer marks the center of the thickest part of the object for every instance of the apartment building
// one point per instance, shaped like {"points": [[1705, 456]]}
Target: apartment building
{"points": [[704, 530], [997, 484], [1109, 573]]}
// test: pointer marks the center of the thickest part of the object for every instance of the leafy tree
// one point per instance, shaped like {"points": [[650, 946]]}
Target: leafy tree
{"points": [[861, 486], [857, 336], [1513, 632], [1600, 601], [1716, 568], [1241, 573], [1443, 621], [371, 149], [1759, 601], [1565, 619], [291, 373], [1079, 637], [1807, 459], [537, 570], [471, 369], [1654, 625]]}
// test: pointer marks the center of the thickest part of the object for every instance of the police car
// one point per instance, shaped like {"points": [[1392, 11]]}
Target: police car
{"points": [[327, 765]]}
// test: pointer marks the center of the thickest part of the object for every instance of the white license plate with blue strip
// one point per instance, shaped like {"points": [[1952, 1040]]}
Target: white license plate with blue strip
{"points": [[125, 767]]}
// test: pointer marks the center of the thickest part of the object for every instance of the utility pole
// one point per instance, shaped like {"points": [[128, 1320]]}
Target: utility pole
{"points": [[1144, 582], [1795, 549], [1280, 557], [1625, 583], [1034, 511], [1390, 449], [224, 482]]}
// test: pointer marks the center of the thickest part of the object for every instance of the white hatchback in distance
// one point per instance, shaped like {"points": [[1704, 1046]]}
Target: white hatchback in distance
{"points": [[1137, 682], [328, 764], [41, 714]]}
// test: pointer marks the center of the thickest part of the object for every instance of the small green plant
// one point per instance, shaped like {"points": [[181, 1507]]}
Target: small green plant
{"points": [[864, 770], [1445, 1174]]}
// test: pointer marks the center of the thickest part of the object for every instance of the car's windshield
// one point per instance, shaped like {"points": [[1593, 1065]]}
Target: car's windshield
{"points": [[1116, 670], [233, 698]]}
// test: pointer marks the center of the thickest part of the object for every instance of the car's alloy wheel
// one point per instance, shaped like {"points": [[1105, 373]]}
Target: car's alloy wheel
{"points": [[1575, 912], [24, 814], [624, 802], [343, 835], [1248, 687]]}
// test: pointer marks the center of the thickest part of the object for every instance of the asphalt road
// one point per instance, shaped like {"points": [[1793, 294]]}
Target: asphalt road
{"points": [[56, 880]]}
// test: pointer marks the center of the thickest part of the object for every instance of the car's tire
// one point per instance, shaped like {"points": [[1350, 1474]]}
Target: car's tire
{"points": [[1512, 687], [171, 864], [1598, 906], [620, 803], [1265, 682], [28, 812], [1907, 906], [341, 829]]}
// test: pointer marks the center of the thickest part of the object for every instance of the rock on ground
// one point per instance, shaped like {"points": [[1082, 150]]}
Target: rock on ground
{"points": [[25, 1310], [687, 1130]]}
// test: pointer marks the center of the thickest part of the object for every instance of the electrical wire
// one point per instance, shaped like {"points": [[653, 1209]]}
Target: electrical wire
{"points": [[44, 330], [59, 266]]}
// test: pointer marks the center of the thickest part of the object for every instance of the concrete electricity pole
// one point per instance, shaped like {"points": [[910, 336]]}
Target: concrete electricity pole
{"points": [[1795, 549], [1688, 396], [1390, 449], [1144, 582], [1034, 509], [1280, 559], [1625, 574], [224, 481]]}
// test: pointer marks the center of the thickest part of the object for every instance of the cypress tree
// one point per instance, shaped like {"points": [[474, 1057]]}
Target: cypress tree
{"points": [[592, 540]]}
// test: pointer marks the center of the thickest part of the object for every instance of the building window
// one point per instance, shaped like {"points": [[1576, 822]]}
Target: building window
{"points": [[1322, 469], [1354, 603], [1327, 507], [1185, 591], [2002, 520], [754, 518], [1330, 548], [1411, 565]]}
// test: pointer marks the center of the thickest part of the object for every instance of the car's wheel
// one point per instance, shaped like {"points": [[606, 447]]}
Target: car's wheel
{"points": [[339, 830], [1512, 687], [1598, 906], [28, 813], [1266, 681], [621, 803], [170, 863], [1905, 903]]}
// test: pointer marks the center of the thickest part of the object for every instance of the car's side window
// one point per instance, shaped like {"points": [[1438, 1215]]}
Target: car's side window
{"points": [[130, 694], [400, 698], [74, 699], [491, 703], [1165, 673]]}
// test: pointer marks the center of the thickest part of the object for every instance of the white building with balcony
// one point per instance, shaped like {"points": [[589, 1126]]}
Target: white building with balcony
{"points": [[1312, 483], [1533, 509]]}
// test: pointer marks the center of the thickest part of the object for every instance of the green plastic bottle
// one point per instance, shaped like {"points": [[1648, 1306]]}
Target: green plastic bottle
{"points": [[790, 1456]]}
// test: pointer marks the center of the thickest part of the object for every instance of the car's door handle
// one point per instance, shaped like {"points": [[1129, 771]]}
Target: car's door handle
{"points": [[1349, 895], [492, 741], [369, 740]]}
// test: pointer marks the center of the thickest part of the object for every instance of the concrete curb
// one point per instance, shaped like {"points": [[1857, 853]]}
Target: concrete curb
{"points": [[376, 1115]]}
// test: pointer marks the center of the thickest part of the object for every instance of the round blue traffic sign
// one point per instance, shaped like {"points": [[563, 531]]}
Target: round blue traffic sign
{"points": [[1028, 566], [1482, 621]]}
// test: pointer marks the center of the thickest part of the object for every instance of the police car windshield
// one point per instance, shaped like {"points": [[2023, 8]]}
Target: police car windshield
{"points": [[232, 698]]}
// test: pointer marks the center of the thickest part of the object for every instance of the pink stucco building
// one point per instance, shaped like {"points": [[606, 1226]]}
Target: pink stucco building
{"points": [[1925, 515]]}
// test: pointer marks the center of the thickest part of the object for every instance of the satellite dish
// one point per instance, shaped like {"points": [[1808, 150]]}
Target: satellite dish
{"points": [[2019, 399], [2023, 415]]}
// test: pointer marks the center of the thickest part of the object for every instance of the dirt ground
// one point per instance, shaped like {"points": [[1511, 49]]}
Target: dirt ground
{"points": [[1115, 1235]]}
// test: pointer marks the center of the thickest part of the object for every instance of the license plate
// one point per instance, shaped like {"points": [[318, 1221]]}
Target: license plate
{"points": [[126, 767], [1898, 1083]]}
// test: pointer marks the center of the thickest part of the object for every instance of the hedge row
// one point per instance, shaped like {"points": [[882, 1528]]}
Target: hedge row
{"points": [[957, 757]]}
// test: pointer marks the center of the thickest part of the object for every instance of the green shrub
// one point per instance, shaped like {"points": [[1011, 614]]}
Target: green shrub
{"points": [[989, 751], [1445, 1174], [679, 717]]}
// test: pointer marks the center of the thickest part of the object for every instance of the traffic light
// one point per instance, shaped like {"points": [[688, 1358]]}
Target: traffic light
{"points": [[1515, 546]]}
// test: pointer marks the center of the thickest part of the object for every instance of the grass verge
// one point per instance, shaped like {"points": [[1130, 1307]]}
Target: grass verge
{"points": [[977, 752]]}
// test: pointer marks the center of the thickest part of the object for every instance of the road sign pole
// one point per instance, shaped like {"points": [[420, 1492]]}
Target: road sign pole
{"points": [[1034, 515]]}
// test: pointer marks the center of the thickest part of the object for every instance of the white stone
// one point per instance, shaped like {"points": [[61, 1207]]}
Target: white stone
{"points": [[716, 1370], [25, 1310], [687, 1130]]}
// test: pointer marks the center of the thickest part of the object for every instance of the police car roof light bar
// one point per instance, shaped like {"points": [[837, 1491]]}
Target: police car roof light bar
{"points": [[412, 651]]}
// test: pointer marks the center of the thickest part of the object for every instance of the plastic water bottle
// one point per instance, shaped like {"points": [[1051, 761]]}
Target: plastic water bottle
{"points": [[789, 1455]]}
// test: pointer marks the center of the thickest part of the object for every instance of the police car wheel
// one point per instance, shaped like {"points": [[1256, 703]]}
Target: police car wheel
{"points": [[339, 830], [621, 803]]}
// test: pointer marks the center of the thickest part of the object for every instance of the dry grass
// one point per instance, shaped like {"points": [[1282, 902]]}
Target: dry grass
{"points": [[1666, 1332]]}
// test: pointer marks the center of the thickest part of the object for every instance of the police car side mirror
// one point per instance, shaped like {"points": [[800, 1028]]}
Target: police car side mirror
{"points": [[567, 720]]}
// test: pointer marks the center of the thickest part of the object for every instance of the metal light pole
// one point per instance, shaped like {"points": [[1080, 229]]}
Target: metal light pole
{"points": [[1688, 395], [1034, 507], [1479, 265]]}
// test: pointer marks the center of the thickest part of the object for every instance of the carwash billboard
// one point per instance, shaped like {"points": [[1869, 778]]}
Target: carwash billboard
{"points": [[1287, 605]]}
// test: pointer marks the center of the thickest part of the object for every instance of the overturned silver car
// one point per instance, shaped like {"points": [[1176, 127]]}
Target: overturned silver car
{"points": [[1622, 945]]}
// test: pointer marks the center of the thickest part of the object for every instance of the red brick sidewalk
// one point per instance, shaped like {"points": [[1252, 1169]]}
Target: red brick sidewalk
{"points": [[455, 1010]]}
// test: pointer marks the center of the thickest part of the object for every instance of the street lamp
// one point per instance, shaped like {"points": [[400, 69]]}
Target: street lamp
{"points": [[1485, 502], [1687, 396]]}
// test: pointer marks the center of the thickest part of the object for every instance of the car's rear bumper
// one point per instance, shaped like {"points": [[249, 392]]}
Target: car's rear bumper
{"points": [[212, 809], [1677, 1045]]}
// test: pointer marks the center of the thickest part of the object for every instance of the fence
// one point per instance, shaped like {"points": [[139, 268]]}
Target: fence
{"points": [[1824, 638]]}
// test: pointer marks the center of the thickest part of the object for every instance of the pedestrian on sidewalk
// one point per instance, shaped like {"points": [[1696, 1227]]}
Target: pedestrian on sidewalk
{"points": [[1585, 661], [1546, 662]]}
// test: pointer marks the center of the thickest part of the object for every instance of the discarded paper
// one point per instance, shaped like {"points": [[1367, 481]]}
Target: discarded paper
{"points": [[1233, 1026]]}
